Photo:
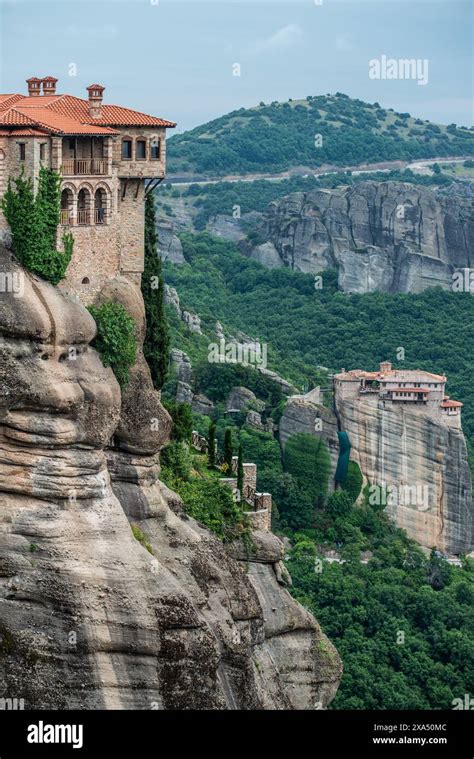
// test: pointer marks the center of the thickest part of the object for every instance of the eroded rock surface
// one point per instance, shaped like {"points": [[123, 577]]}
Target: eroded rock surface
{"points": [[386, 236], [93, 615]]}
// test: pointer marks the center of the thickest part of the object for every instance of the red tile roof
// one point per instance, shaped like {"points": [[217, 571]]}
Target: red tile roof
{"points": [[22, 133], [6, 101], [66, 114], [451, 404]]}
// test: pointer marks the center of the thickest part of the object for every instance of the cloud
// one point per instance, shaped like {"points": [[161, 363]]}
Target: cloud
{"points": [[285, 37]]}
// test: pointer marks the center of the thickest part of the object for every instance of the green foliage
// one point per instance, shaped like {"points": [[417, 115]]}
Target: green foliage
{"points": [[212, 504], [182, 417], [240, 469], [353, 482], [339, 504], [34, 221], [156, 347], [307, 458], [279, 136], [115, 339], [328, 327], [217, 380], [211, 444], [405, 643], [176, 463], [142, 538], [228, 450]]}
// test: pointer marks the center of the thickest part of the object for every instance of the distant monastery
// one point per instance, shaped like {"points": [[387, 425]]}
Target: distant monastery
{"points": [[416, 388]]}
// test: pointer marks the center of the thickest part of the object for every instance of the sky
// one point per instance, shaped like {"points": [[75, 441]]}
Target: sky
{"points": [[191, 61]]}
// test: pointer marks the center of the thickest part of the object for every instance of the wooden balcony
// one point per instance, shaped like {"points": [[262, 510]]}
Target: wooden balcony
{"points": [[66, 217], [83, 217], [73, 167], [99, 216]]}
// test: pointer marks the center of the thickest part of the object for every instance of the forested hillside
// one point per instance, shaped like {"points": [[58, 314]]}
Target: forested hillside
{"points": [[402, 621], [307, 327], [317, 131]]}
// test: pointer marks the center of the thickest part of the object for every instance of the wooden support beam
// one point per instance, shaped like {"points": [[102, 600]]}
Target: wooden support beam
{"points": [[138, 188], [124, 187]]}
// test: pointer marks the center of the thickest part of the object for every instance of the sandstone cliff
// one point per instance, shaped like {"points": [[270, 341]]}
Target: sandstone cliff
{"points": [[421, 464], [89, 616], [387, 236], [418, 463]]}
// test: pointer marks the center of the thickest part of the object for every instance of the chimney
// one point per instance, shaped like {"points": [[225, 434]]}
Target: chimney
{"points": [[34, 86], [49, 85], [96, 93], [385, 367]]}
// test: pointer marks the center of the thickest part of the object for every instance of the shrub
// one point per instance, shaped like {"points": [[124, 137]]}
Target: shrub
{"points": [[352, 485], [34, 221], [115, 340], [212, 504]]}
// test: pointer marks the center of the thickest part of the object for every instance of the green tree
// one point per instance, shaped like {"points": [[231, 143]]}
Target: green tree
{"points": [[240, 470], [156, 347], [211, 444], [228, 450], [182, 417]]}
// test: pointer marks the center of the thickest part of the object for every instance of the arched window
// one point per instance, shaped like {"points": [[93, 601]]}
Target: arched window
{"points": [[155, 148], [100, 206], [84, 207], [67, 200]]}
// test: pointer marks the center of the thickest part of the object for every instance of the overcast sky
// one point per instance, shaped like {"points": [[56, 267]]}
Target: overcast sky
{"points": [[175, 58]]}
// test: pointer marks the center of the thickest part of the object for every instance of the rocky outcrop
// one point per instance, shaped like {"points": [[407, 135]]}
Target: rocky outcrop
{"points": [[169, 245], [192, 321], [421, 466], [241, 398], [386, 236], [93, 615]]}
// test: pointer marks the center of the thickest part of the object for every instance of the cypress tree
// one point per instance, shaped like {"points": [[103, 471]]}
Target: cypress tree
{"points": [[156, 347], [240, 471], [211, 444], [228, 450]]}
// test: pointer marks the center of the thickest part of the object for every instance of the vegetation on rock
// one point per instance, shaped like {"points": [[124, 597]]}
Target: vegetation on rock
{"points": [[33, 223], [115, 340]]}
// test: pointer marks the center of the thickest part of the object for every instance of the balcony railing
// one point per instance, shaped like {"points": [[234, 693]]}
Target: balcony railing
{"points": [[99, 216], [81, 167], [66, 218], [83, 217]]}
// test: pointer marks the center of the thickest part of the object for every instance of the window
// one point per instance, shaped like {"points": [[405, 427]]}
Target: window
{"points": [[140, 150], [126, 149], [22, 148], [155, 149], [42, 151], [72, 143]]}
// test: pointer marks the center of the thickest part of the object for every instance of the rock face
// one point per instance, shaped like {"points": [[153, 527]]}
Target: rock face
{"points": [[93, 615], [169, 245], [387, 236], [420, 463]]}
